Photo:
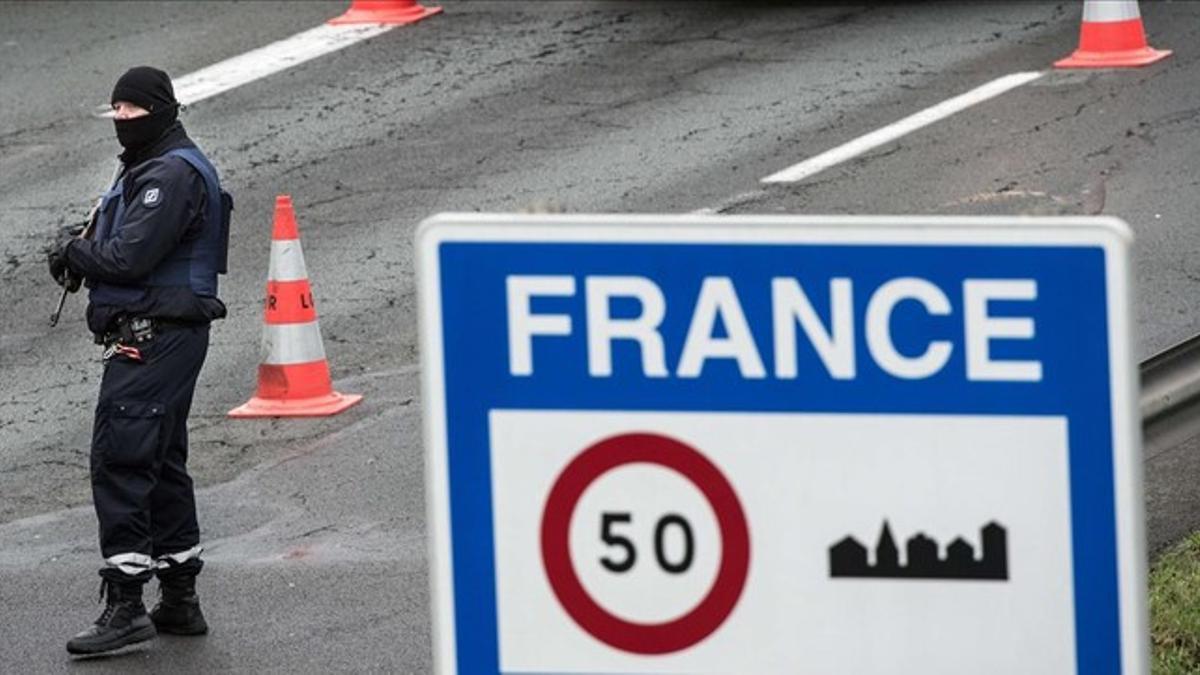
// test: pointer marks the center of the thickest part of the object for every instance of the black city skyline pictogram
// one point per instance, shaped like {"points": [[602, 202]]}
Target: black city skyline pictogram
{"points": [[848, 558]]}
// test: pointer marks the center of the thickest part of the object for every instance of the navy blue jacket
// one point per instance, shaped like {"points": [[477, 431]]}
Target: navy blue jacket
{"points": [[152, 229]]}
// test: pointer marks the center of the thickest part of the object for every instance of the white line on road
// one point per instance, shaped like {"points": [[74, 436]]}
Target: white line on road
{"points": [[891, 132], [268, 60]]}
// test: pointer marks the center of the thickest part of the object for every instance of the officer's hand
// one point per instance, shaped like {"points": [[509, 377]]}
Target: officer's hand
{"points": [[72, 281], [56, 257]]}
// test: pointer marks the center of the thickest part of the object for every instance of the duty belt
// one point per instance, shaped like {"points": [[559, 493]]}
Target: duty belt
{"points": [[136, 330]]}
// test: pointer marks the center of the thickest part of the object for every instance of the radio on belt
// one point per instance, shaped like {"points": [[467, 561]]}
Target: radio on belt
{"points": [[710, 444]]}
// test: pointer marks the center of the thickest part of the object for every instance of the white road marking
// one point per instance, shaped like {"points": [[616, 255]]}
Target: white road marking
{"points": [[858, 146], [268, 60]]}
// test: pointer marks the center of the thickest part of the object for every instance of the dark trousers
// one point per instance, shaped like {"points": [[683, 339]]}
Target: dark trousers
{"points": [[140, 484]]}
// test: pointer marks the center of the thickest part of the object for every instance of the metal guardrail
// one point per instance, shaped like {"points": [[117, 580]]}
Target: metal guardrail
{"points": [[1170, 396]]}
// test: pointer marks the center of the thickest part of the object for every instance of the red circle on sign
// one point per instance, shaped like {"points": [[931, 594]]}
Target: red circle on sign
{"points": [[630, 636]]}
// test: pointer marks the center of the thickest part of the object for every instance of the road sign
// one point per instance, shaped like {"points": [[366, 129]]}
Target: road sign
{"points": [[663, 444]]}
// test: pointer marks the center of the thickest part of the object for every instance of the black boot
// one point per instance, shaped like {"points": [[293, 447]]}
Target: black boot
{"points": [[123, 622], [178, 609]]}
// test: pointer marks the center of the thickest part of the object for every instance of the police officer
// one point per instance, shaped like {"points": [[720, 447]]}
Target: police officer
{"points": [[160, 238]]}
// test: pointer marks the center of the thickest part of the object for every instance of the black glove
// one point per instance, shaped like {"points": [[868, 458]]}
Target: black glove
{"points": [[56, 257]]}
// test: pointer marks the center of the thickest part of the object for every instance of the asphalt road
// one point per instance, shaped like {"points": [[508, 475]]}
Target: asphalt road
{"points": [[315, 528]]}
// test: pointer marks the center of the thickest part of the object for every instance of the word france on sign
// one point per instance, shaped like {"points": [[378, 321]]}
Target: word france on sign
{"points": [[709, 444]]}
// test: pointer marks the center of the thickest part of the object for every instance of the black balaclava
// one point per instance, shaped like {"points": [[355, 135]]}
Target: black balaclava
{"points": [[151, 89]]}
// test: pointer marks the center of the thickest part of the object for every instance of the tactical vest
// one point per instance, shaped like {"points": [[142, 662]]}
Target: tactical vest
{"points": [[195, 263]]}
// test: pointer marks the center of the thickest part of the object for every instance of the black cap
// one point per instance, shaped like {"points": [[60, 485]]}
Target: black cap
{"points": [[147, 87]]}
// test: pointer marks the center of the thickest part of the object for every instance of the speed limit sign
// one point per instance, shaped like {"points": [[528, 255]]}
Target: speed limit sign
{"points": [[704, 444], [732, 544]]}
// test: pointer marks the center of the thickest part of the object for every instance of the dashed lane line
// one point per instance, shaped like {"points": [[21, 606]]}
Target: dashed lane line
{"points": [[273, 58], [891, 132]]}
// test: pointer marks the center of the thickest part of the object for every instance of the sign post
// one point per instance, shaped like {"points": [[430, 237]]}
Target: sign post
{"points": [[663, 444]]}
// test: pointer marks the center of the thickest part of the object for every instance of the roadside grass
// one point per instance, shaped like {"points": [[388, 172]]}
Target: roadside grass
{"points": [[1175, 609]]}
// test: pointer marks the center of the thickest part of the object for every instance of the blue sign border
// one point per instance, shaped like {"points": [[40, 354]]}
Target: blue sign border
{"points": [[1072, 303]]}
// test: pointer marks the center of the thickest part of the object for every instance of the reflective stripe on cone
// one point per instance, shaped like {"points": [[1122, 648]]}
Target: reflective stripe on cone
{"points": [[287, 261], [288, 344]]}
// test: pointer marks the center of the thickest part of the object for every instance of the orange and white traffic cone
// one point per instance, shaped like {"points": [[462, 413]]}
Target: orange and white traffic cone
{"points": [[293, 378], [1112, 36], [385, 11]]}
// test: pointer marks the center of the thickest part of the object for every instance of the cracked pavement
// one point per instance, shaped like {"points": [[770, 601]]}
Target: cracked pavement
{"points": [[315, 528]]}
